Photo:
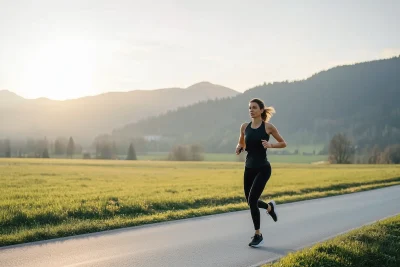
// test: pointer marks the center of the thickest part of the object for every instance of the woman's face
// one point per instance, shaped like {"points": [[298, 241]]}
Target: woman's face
{"points": [[254, 110]]}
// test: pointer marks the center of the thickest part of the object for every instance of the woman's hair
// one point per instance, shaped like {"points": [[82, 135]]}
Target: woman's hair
{"points": [[268, 111]]}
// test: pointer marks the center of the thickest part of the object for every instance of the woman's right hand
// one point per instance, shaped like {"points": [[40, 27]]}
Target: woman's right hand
{"points": [[239, 149], [241, 144]]}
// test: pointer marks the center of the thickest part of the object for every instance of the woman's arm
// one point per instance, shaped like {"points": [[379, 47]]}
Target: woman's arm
{"points": [[241, 144], [272, 130]]}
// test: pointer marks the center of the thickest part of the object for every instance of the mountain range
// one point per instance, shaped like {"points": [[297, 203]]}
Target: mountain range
{"points": [[361, 100], [85, 118]]}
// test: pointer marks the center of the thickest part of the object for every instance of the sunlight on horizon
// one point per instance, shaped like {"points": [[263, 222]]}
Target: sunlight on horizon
{"points": [[60, 69]]}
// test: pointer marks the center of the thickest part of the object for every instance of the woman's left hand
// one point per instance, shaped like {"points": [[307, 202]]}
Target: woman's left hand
{"points": [[266, 144]]}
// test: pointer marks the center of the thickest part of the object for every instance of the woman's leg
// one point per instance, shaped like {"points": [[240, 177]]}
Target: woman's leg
{"points": [[248, 179], [256, 190]]}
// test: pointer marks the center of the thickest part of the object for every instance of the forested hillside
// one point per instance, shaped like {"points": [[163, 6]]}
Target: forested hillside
{"points": [[361, 100]]}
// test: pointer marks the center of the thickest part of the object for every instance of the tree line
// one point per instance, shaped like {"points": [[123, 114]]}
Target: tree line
{"points": [[61, 147], [104, 148], [343, 151], [39, 148]]}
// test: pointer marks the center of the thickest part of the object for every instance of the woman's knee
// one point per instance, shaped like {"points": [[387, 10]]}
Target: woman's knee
{"points": [[253, 202]]}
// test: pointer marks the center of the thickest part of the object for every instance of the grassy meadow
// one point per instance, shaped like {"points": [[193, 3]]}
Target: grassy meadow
{"points": [[48, 198], [376, 245]]}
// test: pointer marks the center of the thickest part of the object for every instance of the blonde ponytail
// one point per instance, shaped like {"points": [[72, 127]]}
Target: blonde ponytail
{"points": [[267, 113]]}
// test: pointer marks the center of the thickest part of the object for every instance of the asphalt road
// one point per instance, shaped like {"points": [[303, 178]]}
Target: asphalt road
{"points": [[217, 240]]}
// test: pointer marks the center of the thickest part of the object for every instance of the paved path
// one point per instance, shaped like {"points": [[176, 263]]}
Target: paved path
{"points": [[217, 240]]}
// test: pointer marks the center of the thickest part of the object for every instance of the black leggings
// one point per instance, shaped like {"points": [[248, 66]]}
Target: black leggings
{"points": [[255, 180]]}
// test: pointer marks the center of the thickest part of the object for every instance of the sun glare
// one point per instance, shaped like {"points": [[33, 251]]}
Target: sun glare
{"points": [[60, 69]]}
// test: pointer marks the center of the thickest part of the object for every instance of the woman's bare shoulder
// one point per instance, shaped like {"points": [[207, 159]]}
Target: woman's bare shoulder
{"points": [[269, 127], [243, 126]]}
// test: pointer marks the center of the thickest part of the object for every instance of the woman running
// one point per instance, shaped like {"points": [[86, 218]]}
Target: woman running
{"points": [[254, 138]]}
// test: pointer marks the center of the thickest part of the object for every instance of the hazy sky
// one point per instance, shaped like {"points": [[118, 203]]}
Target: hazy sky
{"points": [[67, 49]]}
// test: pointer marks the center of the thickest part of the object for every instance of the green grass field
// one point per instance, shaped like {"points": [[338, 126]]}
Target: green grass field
{"points": [[47, 198], [376, 245]]}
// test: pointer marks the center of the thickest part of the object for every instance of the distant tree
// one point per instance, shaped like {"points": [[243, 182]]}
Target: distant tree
{"points": [[106, 147], [139, 143], [391, 154], [196, 153], [70, 147], [57, 147], [7, 148], [106, 150], [98, 149], [60, 146], [87, 155], [114, 148], [186, 152], [131, 153], [341, 151], [51, 147], [30, 146], [374, 155], [45, 153], [179, 153], [78, 148], [2, 150], [40, 146]]}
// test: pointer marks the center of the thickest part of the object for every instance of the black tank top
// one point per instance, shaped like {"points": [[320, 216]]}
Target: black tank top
{"points": [[256, 153]]}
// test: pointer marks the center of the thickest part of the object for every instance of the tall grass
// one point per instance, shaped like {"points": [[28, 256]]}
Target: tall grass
{"points": [[45, 198], [376, 245]]}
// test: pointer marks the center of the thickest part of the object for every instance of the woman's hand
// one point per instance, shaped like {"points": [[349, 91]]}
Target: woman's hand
{"points": [[266, 144], [238, 149]]}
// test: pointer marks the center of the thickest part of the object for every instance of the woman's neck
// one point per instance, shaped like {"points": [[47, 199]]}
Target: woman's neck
{"points": [[256, 121]]}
